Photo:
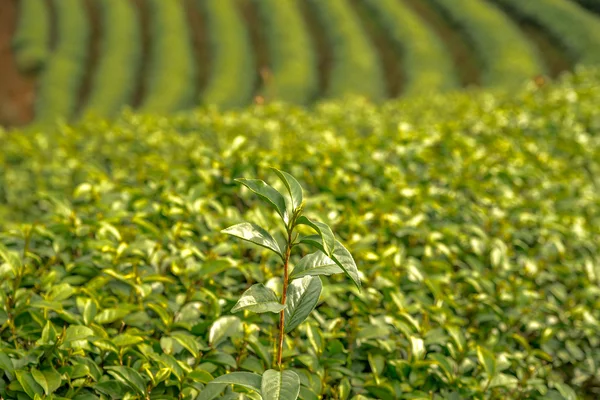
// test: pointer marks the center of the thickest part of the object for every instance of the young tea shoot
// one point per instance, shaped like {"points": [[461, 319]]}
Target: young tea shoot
{"points": [[301, 287]]}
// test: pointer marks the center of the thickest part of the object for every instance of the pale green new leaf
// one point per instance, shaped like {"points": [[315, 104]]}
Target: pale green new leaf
{"points": [[340, 256], [10, 257], [302, 297], [268, 193], [48, 379], [314, 264], [487, 359], [28, 383], [324, 232], [187, 341], [278, 385], [254, 234], [293, 187], [223, 328], [259, 299]]}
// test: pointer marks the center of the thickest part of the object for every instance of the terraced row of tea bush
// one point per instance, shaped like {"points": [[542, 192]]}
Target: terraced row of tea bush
{"points": [[473, 219], [313, 49]]}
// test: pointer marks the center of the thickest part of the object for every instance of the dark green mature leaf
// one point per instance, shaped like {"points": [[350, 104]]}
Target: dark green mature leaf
{"points": [[259, 299], [314, 264], [129, 376], [113, 388], [268, 193], [211, 391], [340, 256], [278, 385], [6, 363], [255, 234], [302, 297], [293, 187], [248, 380], [327, 238]]}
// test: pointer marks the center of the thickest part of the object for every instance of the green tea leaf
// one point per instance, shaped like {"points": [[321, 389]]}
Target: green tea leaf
{"points": [[110, 315], [487, 359], [565, 391], [113, 388], [224, 328], [340, 256], [259, 299], [129, 376], [293, 187], [278, 385], [315, 264], [327, 238], [10, 257], [248, 380], [6, 363], [28, 383], [302, 297], [254, 234], [89, 311], [269, 194], [77, 332], [211, 391], [49, 379], [188, 342]]}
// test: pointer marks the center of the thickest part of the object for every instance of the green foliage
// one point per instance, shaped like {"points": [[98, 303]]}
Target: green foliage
{"points": [[232, 74], [30, 40], [170, 74], [426, 63], [60, 83], [118, 66], [298, 297], [506, 55], [355, 68], [575, 29], [472, 217], [293, 75]]}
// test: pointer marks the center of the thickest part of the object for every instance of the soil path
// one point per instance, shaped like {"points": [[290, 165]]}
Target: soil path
{"points": [[16, 90]]}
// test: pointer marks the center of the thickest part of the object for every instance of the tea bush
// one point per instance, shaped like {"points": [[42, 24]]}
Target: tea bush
{"points": [[473, 219]]}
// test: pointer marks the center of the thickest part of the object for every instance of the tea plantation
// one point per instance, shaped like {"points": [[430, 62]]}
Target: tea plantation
{"points": [[473, 217], [95, 57]]}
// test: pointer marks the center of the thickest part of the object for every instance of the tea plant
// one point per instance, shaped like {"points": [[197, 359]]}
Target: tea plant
{"points": [[301, 288]]}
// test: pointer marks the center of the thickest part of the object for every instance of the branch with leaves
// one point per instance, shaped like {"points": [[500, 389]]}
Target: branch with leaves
{"points": [[301, 287]]}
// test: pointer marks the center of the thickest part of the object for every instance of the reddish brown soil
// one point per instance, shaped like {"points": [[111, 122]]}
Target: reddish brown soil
{"points": [[17, 91]]}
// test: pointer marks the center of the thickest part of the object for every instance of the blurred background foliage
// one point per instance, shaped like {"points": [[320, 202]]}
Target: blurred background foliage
{"points": [[70, 58]]}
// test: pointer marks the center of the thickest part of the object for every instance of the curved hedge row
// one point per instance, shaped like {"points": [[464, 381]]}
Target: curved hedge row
{"points": [[30, 41], [232, 73], [576, 29], [294, 73], [115, 78], [356, 69], [170, 81], [428, 66], [507, 56], [58, 92]]}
